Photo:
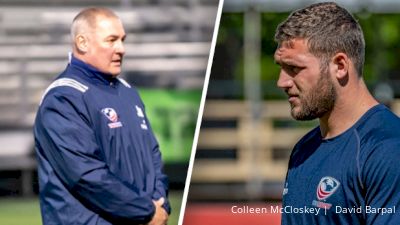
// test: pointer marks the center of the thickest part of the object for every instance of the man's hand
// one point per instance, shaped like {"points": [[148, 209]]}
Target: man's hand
{"points": [[160, 216]]}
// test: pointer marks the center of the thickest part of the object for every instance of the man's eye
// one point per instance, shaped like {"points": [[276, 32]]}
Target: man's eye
{"points": [[294, 69]]}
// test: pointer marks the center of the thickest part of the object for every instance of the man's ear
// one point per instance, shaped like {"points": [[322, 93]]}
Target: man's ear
{"points": [[341, 64], [81, 42]]}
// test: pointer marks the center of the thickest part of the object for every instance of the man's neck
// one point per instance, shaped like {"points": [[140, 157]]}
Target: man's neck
{"points": [[349, 108]]}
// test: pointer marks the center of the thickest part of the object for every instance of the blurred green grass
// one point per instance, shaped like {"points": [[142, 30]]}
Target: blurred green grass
{"points": [[26, 211]]}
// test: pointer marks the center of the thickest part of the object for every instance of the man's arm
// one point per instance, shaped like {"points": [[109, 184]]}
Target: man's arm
{"points": [[161, 185], [70, 146], [381, 178]]}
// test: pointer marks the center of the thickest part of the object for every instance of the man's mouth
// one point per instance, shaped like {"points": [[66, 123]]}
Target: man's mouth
{"points": [[292, 97], [117, 61]]}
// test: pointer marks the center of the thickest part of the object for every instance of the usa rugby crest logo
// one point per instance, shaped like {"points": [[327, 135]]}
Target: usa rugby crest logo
{"points": [[326, 187], [112, 115]]}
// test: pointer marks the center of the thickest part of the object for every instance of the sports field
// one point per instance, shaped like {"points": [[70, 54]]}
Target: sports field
{"points": [[22, 211]]}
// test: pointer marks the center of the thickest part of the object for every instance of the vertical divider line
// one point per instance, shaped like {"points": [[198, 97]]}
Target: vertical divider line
{"points": [[200, 114]]}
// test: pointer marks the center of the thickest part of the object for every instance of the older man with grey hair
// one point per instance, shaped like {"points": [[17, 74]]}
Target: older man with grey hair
{"points": [[99, 161]]}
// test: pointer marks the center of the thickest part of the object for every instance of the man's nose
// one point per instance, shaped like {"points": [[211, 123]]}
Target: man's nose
{"points": [[120, 48], [285, 80]]}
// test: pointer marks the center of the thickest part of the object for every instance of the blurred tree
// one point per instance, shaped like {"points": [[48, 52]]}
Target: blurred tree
{"points": [[382, 36]]}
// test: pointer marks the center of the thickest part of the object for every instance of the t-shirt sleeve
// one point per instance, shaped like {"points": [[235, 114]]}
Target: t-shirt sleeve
{"points": [[381, 180]]}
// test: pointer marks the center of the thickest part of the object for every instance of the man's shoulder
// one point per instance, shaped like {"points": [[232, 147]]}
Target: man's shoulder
{"points": [[65, 86], [380, 145], [379, 136], [381, 126], [76, 84], [130, 90]]}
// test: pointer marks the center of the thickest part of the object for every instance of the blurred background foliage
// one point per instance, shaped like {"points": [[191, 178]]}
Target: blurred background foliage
{"points": [[382, 36], [172, 114]]}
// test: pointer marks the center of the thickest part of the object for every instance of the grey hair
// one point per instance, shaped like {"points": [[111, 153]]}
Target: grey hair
{"points": [[86, 20]]}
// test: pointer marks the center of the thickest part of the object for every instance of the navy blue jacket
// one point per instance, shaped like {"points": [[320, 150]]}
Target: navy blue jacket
{"points": [[99, 162], [353, 178]]}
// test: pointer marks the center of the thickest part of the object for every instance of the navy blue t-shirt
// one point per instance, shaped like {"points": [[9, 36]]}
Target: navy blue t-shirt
{"points": [[353, 178]]}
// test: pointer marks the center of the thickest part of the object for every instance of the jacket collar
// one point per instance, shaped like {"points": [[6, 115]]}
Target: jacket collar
{"points": [[91, 71]]}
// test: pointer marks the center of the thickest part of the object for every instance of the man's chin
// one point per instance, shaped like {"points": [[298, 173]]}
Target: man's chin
{"points": [[295, 110], [115, 73], [298, 114]]}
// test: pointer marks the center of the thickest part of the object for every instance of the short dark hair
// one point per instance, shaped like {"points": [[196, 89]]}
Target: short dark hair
{"points": [[329, 29]]}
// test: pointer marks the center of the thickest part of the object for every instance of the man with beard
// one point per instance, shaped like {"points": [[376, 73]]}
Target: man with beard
{"points": [[347, 166]]}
